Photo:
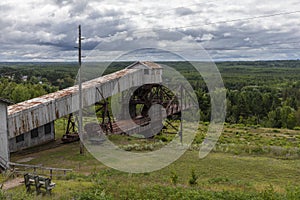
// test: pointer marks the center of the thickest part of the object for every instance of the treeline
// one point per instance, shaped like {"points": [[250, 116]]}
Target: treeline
{"points": [[264, 107], [265, 93], [23, 81], [61, 75], [18, 92]]}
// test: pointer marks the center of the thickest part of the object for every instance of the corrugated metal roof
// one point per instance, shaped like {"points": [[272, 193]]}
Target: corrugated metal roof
{"points": [[147, 64], [19, 107], [5, 101], [151, 65]]}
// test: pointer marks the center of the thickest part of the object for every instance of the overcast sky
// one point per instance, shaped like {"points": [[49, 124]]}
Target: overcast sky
{"points": [[46, 30]]}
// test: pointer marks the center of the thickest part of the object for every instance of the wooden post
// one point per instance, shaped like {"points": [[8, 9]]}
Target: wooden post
{"points": [[180, 127], [80, 91]]}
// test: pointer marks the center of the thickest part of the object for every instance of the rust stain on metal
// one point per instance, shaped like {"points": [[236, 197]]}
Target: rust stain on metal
{"points": [[15, 123], [48, 98], [57, 113], [37, 122], [29, 114], [151, 65], [146, 64], [22, 127]]}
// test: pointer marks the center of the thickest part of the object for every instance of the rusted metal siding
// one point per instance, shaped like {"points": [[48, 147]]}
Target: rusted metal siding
{"points": [[37, 112], [29, 141]]}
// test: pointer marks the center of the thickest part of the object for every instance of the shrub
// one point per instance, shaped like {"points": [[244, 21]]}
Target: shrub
{"points": [[269, 193], [292, 192], [297, 128], [206, 123], [2, 194], [95, 193], [219, 180], [193, 179], [174, 178]]}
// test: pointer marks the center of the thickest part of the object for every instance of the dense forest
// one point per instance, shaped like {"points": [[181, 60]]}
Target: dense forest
{"points": [[265, 93], [22, 81]]}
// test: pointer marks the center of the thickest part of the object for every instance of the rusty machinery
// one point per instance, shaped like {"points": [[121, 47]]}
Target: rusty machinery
{"points": [[71, 134], [138, 101]]}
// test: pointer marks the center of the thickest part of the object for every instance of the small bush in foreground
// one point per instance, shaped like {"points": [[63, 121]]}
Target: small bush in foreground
{"points": [[174, 178], [193, 179], [95, 193]]}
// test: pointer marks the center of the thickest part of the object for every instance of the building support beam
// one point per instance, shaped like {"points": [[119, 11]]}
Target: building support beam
{"points": [[4, 147]]}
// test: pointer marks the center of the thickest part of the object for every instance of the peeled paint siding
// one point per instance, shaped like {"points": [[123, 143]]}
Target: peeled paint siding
{"points": [[4, 151], [37, 112], [29, 142]]}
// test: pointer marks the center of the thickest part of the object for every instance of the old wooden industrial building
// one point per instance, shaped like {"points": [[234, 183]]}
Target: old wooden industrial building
{"points": [[31, 122]]}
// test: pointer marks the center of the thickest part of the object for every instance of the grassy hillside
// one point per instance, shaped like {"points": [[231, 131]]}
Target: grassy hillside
{"points": [[244, 175]]}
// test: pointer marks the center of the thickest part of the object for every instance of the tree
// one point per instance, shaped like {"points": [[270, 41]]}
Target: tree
{"points": [[20, 93], [288, 118], [291, 120], [274, 118]]}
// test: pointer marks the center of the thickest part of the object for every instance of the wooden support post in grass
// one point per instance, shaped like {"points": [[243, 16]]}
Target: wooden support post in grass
{"points": [[51, 173]]}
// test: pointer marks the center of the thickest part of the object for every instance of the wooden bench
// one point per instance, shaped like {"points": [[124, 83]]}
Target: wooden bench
{"points": [[43, 182], [39, 182], [29, 180]]}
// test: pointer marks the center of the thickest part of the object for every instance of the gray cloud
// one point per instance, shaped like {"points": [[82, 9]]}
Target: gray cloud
{"points": [[183, 11], [47, 30]]}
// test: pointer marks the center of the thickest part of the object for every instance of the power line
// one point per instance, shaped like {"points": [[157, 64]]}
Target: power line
{"points": [[142, 30], [196, 25], [217, 22], [240, 48], [155, 13], [241, 19], [140, 13]]}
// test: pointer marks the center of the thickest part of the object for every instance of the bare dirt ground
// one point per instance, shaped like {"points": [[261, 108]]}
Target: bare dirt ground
{"points": [[12, 183]]}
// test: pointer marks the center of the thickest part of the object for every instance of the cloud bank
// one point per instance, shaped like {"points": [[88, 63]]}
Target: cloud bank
{"points": [[46, 30]]}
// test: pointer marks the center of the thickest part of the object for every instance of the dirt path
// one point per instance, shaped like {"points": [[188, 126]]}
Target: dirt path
{"points": [[12, 183]]}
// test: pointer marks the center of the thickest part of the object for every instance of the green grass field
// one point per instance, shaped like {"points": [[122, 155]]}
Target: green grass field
{"points": [[218, 172], [242, 166]]}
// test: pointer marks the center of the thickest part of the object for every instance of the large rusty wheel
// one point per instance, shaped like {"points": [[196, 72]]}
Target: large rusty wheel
{"points": [[147, 95]]}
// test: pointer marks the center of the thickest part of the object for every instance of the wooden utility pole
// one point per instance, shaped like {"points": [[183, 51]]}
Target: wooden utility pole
{"points": [[80, 91], [181, 102]]}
